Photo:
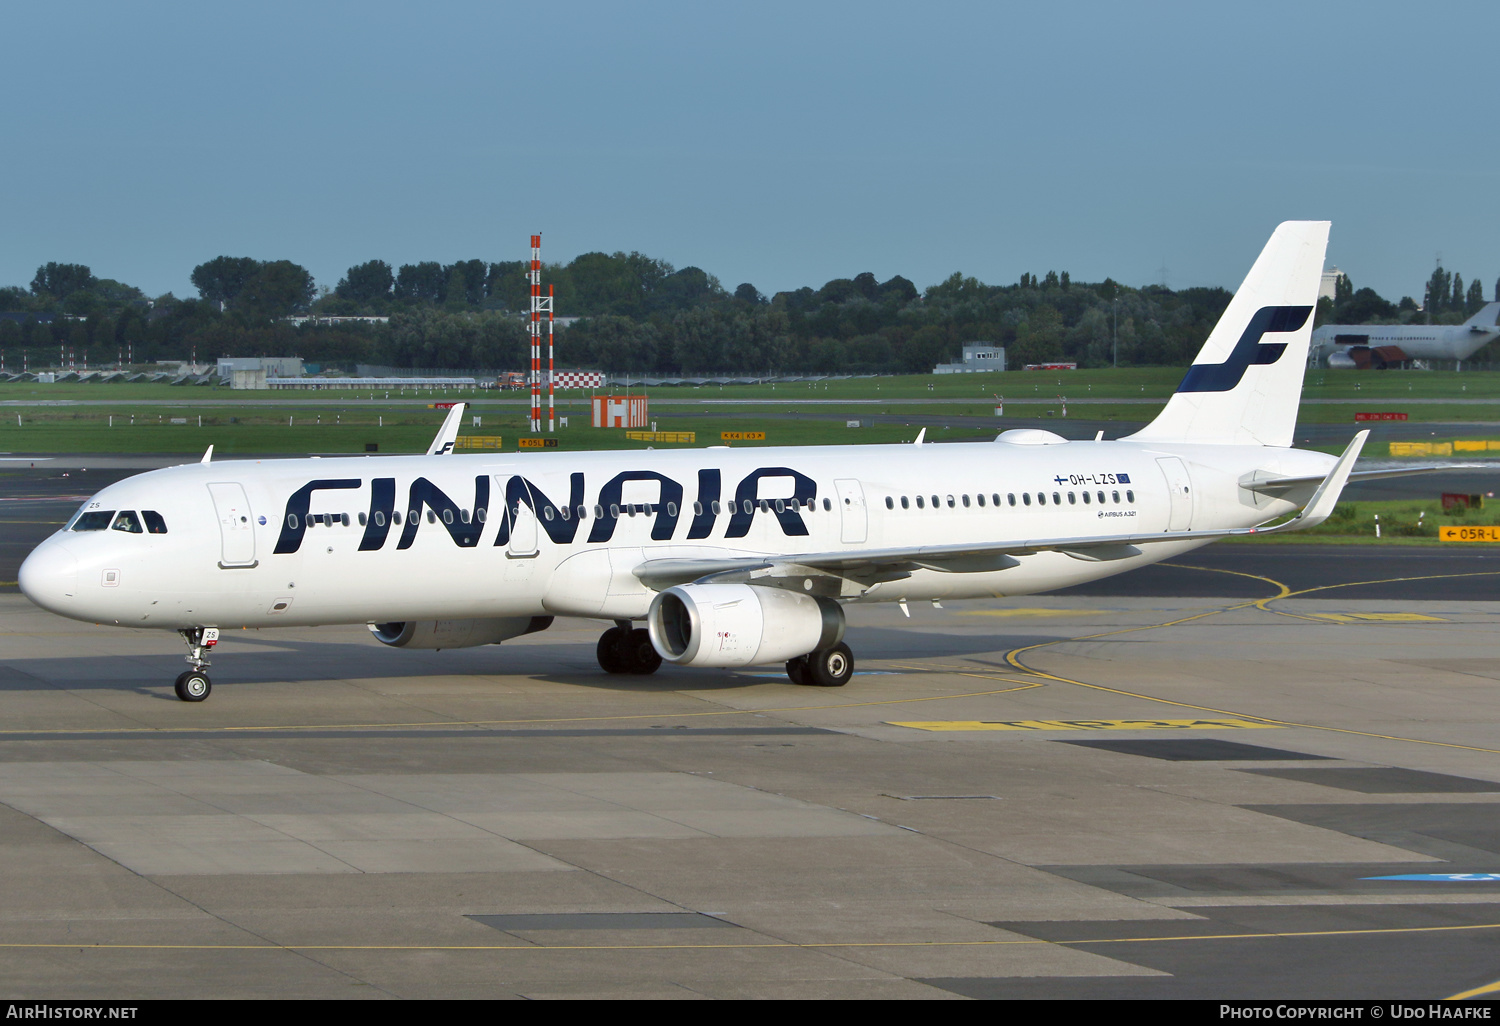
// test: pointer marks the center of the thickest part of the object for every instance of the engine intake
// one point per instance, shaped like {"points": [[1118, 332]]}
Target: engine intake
{"points": [[740, 625], [440, 634]]}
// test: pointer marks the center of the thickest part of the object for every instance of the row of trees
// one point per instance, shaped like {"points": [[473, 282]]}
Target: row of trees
{"points": [[642, 315]]}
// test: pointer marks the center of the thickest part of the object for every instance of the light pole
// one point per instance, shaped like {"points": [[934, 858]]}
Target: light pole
{"points": [[1115, 330]]}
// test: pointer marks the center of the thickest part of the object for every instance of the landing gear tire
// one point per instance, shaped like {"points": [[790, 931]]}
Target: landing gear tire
{"points": [[193, 686], [611, 651], [829, 667], [641, 657], [796, 670]]}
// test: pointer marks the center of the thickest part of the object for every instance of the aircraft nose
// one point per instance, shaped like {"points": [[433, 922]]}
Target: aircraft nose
{"points": [[49, 577]]}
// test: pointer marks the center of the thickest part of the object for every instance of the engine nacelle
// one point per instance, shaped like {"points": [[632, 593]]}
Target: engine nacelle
{"points": [[740, 625], [457, 633]]}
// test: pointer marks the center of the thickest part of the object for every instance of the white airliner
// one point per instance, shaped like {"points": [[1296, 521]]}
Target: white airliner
{"points": [[731, 557], [1380, 345]]}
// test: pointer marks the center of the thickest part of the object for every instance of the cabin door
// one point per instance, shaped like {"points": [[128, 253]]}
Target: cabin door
{"points": [[236, 531], [851, 502]]}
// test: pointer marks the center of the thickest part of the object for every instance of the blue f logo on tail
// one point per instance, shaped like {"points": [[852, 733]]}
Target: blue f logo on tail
{"points": [[1221, 377]]}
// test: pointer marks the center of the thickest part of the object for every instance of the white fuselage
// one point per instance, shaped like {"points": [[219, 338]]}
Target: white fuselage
{"points": [[350, 553], [1417, 341]]}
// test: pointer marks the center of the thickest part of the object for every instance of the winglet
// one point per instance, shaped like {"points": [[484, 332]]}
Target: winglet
{"points": [[1326, 497], [208, 456], [442, 445], [920, 435]]}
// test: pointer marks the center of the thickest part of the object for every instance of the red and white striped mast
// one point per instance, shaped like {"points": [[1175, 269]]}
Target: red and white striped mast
{"points": [[536, 332], [551, 376]]}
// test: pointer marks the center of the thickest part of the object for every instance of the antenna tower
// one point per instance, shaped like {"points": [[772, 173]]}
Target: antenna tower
{"points": [[551, 376], [538, 305]]}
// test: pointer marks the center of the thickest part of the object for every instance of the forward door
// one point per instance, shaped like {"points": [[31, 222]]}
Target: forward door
{"points": [[236, 531]]}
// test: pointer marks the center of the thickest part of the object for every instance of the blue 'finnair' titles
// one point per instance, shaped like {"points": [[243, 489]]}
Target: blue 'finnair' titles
{"points": [[707, 558], [464, 522]]}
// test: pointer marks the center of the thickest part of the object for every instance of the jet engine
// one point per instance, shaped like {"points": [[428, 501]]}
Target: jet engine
{"points": [[457, 633], [739, 625]]}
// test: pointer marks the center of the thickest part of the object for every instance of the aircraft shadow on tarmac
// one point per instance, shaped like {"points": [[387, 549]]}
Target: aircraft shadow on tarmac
{"points": [[273, 660]]}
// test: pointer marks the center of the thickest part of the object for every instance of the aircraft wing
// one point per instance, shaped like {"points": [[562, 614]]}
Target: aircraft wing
{"points": [[871, 565], [1282, 484], [442, 445]]}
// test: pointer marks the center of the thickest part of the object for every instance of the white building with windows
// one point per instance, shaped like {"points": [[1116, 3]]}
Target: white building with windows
{"points": [[978, 357]]}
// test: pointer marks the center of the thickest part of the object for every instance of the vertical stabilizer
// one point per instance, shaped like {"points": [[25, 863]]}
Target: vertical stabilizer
{"points": [[447, 435], [1246, 383], [1487, 317]]}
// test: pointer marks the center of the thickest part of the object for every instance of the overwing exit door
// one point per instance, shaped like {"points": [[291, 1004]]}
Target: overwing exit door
{"points": [[851, 509]]}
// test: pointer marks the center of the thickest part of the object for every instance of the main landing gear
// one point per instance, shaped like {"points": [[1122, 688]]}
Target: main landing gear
{"points": [[194, 685], [825, 668], [626, 650]]}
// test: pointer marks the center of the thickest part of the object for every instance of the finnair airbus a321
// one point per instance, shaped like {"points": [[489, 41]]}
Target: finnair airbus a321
{"points": [[731, 557]]}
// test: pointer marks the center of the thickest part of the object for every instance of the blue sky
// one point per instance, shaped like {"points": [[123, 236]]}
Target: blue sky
{"points": [[778, 143]]}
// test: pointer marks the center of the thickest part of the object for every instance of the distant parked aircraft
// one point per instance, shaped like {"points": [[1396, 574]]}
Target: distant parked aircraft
{"points": [[1384, 345]]}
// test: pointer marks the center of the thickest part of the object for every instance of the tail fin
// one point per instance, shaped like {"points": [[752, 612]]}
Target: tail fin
{"points": [[1246, 383], [1487, 317]]}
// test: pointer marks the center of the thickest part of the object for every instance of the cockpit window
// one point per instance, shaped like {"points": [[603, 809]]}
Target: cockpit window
{"points": [[154, 522], [128, 522], [94, 520]]}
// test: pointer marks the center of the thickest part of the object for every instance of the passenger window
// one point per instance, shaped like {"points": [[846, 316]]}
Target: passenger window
{"points": [[598, 512], [716, 507], [128, 522], [447, 516], [396, 517], [966, 501], [671, 509], [1130, 496], [1010, 497], [343, 519], [379, 518], [1056, 499], [697, 509], [1041, 498], [583, 512], [1026, 498], [905, 504], [921, 504], [1085, 498], [996, 499], [361, 520], [1072, 499], [980, 499], [950, 502], [614, 511], [1101, 498], [564, 511], [94, 520], [546, 514], [827, 505], [1116, 496], [154, 523]]}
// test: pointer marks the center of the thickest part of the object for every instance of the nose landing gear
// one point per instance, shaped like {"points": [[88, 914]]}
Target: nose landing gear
{"points": [[194, 685]]}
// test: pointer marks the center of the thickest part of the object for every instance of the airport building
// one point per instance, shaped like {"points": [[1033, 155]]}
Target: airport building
{"points": [[978, 358]]}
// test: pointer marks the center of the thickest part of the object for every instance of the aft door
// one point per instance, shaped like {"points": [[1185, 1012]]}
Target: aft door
{"points": [[236, 532], [1180, 490], [851, 510]]}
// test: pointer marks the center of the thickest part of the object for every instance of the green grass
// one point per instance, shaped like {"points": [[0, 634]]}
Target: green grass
{"points": [[1402, 522], [54, 418]]}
